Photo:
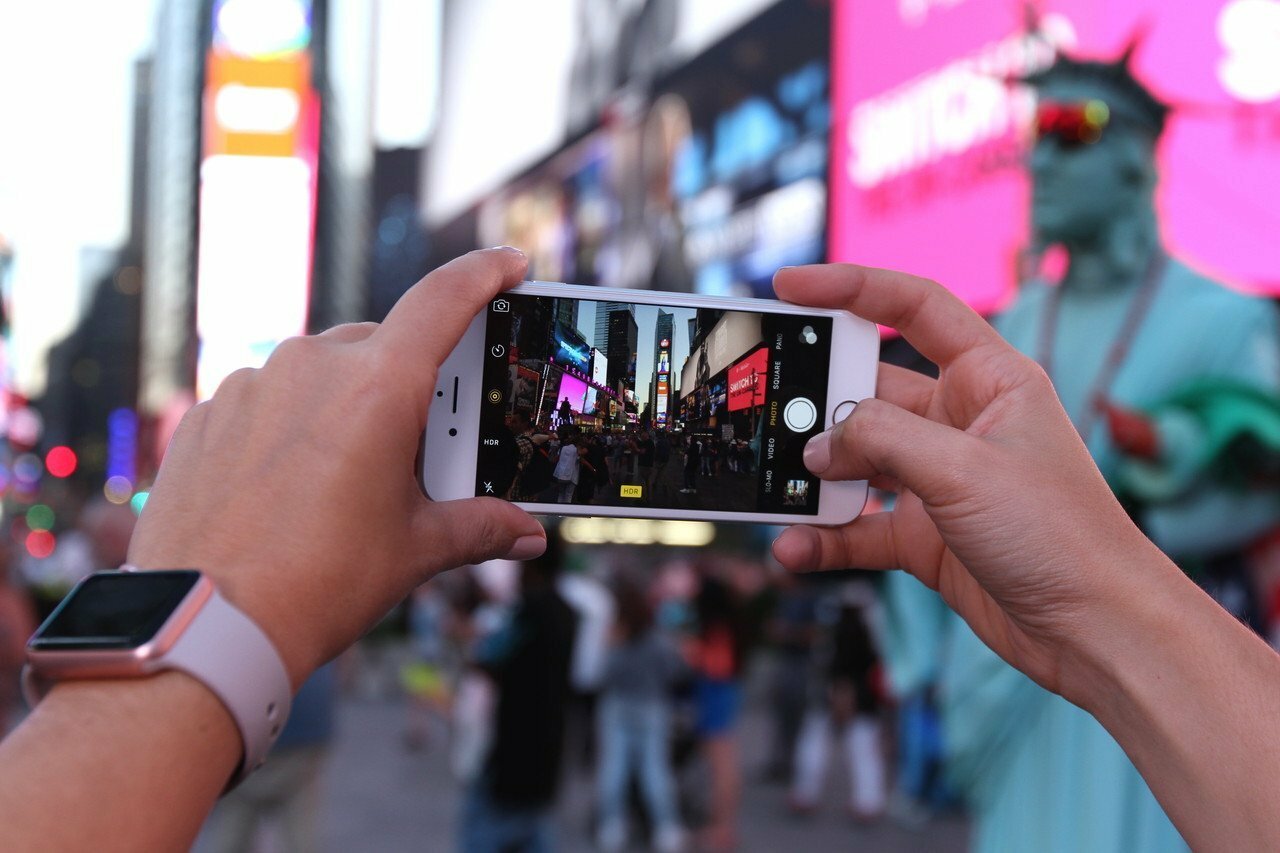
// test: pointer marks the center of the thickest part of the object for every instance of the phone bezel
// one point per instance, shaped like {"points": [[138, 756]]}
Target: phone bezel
{"points": [[855, 347]]}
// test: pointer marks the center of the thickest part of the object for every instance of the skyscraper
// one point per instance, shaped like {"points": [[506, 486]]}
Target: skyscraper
{"points": [[602, 322], [624, 334], [662, 334]]}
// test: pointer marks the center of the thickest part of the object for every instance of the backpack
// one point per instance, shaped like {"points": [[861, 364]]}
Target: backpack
{"points": [[536, 476]]}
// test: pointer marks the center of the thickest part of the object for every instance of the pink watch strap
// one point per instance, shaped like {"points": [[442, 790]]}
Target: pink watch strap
{"points": [[228, 653]]}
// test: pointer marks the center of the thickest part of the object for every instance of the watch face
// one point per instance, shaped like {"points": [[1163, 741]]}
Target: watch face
{"points": [[114, 610]]}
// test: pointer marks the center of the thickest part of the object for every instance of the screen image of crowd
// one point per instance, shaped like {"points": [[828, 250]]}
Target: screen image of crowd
{"points": [[617, 404]]}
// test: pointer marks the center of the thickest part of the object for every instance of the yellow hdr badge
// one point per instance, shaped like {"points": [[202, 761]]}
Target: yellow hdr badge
{"points": [[632, 491]]}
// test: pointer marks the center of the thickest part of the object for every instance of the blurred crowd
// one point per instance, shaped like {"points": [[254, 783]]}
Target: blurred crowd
{"points": [[634, 672], [626, 668]]}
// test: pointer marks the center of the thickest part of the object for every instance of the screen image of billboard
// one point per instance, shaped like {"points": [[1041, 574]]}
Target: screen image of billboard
{"points": [[709, 182], [571, 349], [574, 390], [746, 381], [930, 143], [599, 367]]}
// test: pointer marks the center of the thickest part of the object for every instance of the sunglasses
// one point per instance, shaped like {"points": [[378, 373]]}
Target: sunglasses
{"points": [[1072, 125]]}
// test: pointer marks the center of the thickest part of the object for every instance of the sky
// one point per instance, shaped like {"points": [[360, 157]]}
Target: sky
{"points": [[646, 319], [66, 98]]}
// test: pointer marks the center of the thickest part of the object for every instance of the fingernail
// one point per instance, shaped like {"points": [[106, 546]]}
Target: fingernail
{"points": [[527, 547], [508, 249], [817, 453]]}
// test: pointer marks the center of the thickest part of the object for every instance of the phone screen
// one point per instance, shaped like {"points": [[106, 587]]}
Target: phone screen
{"points": [[634, 405]]}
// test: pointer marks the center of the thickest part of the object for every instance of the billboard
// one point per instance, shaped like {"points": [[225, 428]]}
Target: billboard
{"points": [[599, 367], [258, 179], [573, 389], [928, 146], [746, 386], [737, 332], [571, 348], [706, 179]]}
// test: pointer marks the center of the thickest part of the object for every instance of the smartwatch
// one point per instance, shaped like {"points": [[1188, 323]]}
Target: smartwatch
{"points": [[131, 624]]}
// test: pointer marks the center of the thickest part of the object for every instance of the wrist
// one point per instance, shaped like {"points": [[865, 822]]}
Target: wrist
{"points": [[1141, 607], [273, 612]]}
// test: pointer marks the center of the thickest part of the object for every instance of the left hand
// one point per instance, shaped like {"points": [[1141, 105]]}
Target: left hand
{"points": [[294, 487]]}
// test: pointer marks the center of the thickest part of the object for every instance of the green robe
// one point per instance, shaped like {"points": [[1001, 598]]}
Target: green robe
{"points": [[1039, 773]]}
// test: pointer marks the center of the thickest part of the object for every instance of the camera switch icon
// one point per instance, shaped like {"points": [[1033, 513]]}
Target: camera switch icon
{"points": [[501, 306]]}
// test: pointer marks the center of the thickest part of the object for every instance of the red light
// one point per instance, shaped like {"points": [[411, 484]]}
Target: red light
{"points": [[61, 461], [40, 543]]}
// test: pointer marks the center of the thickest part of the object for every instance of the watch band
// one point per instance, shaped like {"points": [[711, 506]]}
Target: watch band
{"points": [[220, 647], [228, 653]]}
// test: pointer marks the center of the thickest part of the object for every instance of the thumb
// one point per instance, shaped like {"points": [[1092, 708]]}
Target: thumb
{"points": [[881, 439], [473, 530]]}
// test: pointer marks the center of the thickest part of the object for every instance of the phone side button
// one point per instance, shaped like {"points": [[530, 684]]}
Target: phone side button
{"points": [[843, 411]]}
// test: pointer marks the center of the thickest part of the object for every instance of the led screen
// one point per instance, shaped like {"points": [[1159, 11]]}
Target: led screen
{"points": [[927, 160]]}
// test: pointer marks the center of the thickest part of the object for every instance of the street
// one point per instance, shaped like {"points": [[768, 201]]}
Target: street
{"points": [[381, 797]]}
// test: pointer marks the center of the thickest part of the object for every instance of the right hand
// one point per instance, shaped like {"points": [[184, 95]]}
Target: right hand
{"points": [[1000, 508]]}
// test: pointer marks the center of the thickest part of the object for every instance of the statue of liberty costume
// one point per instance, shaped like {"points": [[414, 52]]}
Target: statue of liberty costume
{"points": [[1129, 330]]}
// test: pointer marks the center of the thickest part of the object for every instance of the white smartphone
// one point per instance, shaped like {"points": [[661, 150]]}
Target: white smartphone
{"points": [[573, 400]]}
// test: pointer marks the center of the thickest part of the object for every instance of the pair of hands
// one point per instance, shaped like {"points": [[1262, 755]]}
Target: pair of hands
{"points": [[294, 486]]}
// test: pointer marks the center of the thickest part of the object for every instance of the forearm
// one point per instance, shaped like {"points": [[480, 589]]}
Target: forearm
{"points": [[1190, 694], [116, 765]]}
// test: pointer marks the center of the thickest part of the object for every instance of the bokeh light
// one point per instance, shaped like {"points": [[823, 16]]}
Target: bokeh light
{"points": [[40, 543], [27, 468], [118, 489], [138, 501], [40, 517], [60, 461]]}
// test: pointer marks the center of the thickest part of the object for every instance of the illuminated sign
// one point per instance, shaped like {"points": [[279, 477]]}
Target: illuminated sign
{"points": [[746, 381], [664, 362], [571, 352], [927, 140], [599, 367], [664, 343], [258, 173]]}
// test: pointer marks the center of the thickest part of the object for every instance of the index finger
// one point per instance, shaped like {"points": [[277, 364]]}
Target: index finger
{"points": [[431, 317], [929, 316]]}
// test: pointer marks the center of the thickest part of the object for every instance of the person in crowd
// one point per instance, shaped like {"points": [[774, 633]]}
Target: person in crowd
{"points": [[616, 468], [719, 651], [509, 806], [567, 471], [597, 456], [1123, 336], [17, 622], [593, 603], [283, 482], [425, 677], [790, 631], [661, 457], [565, 414], [692, 464], [634, 724], [526, 481], [645, 449], [588, 474], [847, 708], [481, 607], [289, 787]]}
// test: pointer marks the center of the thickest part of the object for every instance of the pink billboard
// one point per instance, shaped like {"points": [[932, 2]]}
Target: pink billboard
{"points": [[928, 141], [573, 389]]}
